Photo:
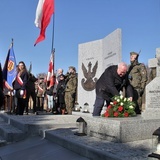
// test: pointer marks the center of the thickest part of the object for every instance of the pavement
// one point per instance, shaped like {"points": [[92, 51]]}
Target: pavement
{"points": [[37, 148], [48, 136]]}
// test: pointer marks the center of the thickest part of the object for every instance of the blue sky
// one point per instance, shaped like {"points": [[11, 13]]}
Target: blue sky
{"points": [[76, 22]]}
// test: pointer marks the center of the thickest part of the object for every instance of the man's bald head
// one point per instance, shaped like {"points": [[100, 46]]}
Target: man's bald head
{"points": [[122, 69]]}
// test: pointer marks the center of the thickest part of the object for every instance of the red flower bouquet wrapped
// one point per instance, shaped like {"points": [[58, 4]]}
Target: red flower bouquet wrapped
{"points": [[120, 107]]}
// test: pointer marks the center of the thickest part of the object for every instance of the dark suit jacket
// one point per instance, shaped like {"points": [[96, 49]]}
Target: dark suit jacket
{"points": [[1, 97], [24, 77], [110, 84]]}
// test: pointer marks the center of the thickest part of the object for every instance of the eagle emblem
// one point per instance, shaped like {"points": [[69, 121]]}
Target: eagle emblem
{"points": [[88, 83]]}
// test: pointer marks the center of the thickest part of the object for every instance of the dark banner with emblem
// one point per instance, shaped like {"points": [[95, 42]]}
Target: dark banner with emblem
{"points": [[9, 69]]}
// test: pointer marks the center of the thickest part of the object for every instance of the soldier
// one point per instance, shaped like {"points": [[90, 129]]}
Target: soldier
{"points": [[137, 75], [41, 87], [70, 90]]}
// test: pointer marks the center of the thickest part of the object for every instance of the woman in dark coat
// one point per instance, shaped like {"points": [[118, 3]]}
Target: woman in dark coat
{"points": [[19, 86], [60, 93]]}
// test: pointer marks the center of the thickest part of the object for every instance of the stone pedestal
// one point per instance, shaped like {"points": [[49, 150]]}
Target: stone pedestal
{"points": [[122, 129]]}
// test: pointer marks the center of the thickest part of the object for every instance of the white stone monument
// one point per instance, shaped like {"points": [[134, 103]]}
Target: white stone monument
{"points": [[94, 57], [152, 108]]}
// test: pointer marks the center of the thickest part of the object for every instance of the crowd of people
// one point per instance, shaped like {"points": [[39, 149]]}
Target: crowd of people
{"points": [[57, 97], [61, 95]]}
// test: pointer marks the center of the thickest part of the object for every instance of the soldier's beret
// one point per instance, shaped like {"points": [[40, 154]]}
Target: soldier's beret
{"points": [[134, 53], [71, 67]]}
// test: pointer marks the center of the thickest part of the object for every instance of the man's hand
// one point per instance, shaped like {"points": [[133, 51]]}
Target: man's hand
{"points": [[131, 99]]}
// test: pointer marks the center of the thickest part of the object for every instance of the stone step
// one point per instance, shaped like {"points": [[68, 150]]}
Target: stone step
{"points": [[3, 142], [10, 133]]}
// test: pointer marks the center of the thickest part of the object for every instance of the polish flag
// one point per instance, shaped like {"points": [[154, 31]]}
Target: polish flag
{"points": [[50, 75], [45, 9]]}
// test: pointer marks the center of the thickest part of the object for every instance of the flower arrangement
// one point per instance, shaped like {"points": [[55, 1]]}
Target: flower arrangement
{"points": [[120, 107]]}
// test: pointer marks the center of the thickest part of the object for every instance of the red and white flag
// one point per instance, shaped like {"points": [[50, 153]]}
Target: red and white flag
{"points": [[45, 9], [50, 75]]}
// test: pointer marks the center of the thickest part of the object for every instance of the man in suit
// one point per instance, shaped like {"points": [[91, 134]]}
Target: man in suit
{"points": [[110, 84]]}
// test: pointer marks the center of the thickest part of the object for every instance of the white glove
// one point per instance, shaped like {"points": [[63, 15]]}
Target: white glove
{"points": [[14, 92], [21, 92]]}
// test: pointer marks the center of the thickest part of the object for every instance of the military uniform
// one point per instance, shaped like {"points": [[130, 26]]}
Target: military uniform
{"points": [[137, 75], [70, 91], [40, 91]]}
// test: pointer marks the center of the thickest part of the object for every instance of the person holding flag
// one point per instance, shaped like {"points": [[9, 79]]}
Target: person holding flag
{"points": [[9, 74], [50, 83]]}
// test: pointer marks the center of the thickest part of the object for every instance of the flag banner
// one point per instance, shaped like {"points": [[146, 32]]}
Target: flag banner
{"points": [[44, 11], [1, 78], [50, 75], [9, 69]]}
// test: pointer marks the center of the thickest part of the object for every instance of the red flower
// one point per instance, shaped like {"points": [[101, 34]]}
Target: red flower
{"points": [[115, 114], [120, 108], [106, 114], [109, 107], [126, 114], [114, 102]]}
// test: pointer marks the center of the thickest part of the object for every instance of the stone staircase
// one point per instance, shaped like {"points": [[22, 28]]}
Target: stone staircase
{"points": [[9, 133]]}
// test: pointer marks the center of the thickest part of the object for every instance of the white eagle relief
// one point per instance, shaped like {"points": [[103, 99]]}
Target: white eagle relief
{"points": [[88, 83]]}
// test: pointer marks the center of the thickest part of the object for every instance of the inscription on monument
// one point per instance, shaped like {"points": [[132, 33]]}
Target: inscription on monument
{"points": [[110, 54], [154, 99], [90, 58]]}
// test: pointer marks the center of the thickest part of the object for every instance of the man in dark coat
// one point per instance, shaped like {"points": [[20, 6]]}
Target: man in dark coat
{"points": [[31, 91], [110, 84]]}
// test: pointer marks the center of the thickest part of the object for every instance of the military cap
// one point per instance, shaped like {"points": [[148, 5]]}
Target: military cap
{"points": [[71, 67], [134, 53]]}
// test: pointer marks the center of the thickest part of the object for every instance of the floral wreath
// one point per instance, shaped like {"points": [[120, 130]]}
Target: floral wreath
{"points": [[120, 107]]}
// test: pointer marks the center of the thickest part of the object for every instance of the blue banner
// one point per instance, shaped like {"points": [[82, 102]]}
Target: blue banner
{"points": [[9, 70]]}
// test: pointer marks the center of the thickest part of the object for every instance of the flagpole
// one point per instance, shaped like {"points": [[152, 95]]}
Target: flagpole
{"points": [[11, 42], [11, 91], [52, 49]]}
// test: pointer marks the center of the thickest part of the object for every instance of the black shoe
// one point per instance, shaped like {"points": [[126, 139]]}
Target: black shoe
{"points": [[138, 112]]}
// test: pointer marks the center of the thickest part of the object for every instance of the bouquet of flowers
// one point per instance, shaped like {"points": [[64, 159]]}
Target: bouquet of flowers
{"points": [[120, 107]]}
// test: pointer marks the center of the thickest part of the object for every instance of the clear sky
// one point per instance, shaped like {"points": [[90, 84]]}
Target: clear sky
{"points": [[76, 22]]}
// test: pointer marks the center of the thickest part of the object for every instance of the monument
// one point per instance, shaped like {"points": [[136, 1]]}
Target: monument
{"points": [[94, 57], [140, 127], [152, 108]]}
